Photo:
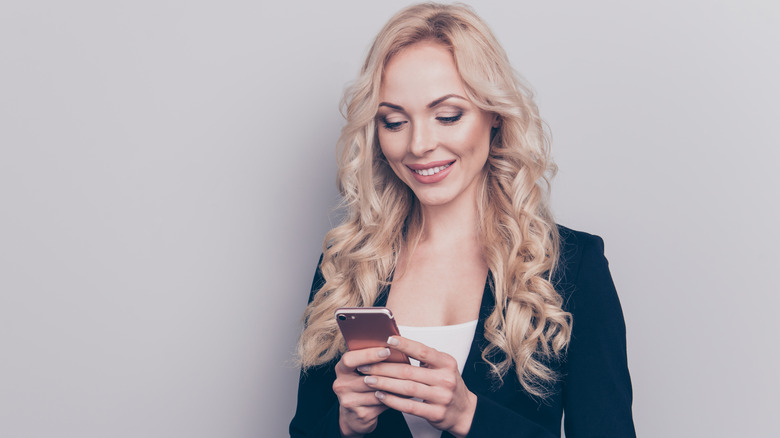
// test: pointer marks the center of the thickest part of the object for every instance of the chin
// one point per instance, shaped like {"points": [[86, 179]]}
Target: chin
{"points": [[434, 201]]}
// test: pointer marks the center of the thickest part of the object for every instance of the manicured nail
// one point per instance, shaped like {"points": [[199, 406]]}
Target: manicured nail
{"points": [[370, 380], [393, 341], [380, 395], [383, 353], [364, 368]]}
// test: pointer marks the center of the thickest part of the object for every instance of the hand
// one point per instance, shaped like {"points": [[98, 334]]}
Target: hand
{"points": [[358, 406], [448, 404]]}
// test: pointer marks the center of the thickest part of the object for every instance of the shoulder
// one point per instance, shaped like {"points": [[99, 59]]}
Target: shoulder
{"points": [[318, 280], [597, 395], [582, 272], [576, 248]]}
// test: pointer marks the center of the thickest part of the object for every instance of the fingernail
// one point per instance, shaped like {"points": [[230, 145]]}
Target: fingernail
{"points": [[370, 380], [393, 341], [383, 353], [364, 368], [380, 395]]}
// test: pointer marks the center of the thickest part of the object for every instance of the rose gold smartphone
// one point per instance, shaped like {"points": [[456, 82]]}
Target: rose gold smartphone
{"points": [[365, 327]]}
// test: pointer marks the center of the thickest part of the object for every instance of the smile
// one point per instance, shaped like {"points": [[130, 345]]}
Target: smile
{"points": [[432, 170]]}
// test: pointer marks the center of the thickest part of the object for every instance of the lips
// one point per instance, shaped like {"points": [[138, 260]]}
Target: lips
{"points": [[432, 172]]}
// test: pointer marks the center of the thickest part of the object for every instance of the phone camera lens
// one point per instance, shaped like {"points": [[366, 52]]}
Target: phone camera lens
{"points": [[342, 317]]}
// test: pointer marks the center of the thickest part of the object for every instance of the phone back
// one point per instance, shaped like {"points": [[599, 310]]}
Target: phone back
{"points": [[366, 327]]}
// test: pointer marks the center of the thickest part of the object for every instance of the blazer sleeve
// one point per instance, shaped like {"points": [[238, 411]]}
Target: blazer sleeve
{"points": [[493, 420], [596, 387], [317, 411], [597, 391]]}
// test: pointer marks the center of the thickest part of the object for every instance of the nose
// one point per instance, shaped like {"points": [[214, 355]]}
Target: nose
{"points": [[422, 140]]}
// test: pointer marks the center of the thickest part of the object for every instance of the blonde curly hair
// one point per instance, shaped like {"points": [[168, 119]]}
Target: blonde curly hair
{"points": [[527, 327]]}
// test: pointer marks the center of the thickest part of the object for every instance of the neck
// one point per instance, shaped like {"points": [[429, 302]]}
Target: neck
{"points": [[455, 222]]}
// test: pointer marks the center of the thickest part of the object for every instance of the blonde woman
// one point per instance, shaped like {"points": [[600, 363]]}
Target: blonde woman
{"points": [[515, 320]]}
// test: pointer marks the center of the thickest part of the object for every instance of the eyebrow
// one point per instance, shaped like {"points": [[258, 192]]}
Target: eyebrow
{"points": [[430, 105]]}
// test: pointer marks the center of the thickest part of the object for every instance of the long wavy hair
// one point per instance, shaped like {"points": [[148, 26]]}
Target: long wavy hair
{"points": [[527, 327]]}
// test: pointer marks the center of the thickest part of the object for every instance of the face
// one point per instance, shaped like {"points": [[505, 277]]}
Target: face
{"points": [[433, 137]]}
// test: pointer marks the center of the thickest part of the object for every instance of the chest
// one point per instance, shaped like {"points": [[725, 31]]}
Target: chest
{"points": [[437, 291]]}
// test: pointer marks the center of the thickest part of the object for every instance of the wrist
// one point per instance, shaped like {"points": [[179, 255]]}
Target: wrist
{"points": [[463, 425], [349, 433], [346, 431]]}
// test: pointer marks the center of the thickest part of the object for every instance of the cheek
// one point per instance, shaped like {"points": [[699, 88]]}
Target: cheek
{"points": [[391, 155], [483, 136], [391, 147], [474, 141]]}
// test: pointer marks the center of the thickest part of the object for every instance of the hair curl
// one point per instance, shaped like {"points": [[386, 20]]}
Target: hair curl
{"points": [[528, 327]]}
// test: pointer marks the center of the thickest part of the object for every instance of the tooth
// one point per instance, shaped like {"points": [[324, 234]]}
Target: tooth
{"points": [[432, 170]]}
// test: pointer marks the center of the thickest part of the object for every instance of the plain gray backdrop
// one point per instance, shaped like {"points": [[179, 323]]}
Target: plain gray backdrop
{"points": [[167, 172]]}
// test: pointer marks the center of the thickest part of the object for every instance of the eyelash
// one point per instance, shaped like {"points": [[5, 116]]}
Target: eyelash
{"points": [[450, 120], [395, 126]]}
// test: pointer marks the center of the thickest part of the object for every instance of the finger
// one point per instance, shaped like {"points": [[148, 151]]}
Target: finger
{"points": [[346, 385], [368, 414], [353, 359], [399, 371], [431, 412], [431, 357], [359, 400], [350, 383], [409, 388]]}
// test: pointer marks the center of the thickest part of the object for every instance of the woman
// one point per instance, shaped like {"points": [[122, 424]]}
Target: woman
{"points": [[515, 320]]}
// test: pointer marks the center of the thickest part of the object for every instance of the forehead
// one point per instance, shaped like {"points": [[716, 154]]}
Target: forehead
{"points": [[419, 74]]}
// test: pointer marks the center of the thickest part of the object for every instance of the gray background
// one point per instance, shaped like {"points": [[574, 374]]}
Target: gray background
{"points": [[167, 171]]}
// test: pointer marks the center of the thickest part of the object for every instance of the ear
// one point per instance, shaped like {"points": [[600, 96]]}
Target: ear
{"points": [[496, 120]]}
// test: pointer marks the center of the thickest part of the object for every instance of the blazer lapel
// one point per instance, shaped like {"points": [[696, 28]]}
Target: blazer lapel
{"points": [[391, 425], [392, 422], [475, 367]]}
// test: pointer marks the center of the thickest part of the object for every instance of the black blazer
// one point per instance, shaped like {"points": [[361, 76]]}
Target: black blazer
{"points": [[594, 390]]}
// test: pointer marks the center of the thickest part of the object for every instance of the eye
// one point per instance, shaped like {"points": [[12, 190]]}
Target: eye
{"points": [[392, 126], [395, 126], [449, 120]]}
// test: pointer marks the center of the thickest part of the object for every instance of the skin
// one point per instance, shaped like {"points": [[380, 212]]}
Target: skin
{"points": [[424, 117]]}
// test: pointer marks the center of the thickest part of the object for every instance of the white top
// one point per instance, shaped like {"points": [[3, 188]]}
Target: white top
{"points": [[454, 340]]}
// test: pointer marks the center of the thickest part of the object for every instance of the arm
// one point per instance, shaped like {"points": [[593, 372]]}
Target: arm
{"points": [[492, 419], [597, 390], [333, 399], [317, 410]]}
